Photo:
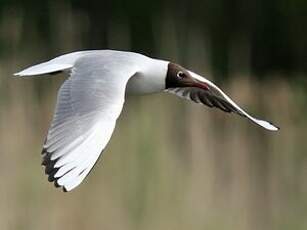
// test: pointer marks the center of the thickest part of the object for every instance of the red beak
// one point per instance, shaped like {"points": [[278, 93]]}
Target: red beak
{"points": [[201, 85]]}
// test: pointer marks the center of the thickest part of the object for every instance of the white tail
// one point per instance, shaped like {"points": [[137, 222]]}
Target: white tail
{"points": [[61, 63]]}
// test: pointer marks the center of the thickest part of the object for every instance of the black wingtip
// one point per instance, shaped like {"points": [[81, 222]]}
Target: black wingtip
{"points": [[277, 127], [50, 170], [56, 184]]}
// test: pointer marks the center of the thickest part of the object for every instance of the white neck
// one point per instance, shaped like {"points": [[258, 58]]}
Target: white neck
{"points": [[151, 78]]}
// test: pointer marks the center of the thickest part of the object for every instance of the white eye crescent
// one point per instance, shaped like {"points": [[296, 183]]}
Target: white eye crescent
{"points": [[180, 74]]}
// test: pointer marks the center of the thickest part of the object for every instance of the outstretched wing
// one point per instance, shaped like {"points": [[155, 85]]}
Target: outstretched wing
{"points": [[215, 97], [88, 105]]}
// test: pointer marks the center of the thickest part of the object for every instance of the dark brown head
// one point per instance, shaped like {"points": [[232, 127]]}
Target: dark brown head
{"points": [[178, 77]]}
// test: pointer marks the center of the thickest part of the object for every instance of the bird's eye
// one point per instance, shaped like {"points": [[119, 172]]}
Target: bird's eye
{"points": [[180, 74]]}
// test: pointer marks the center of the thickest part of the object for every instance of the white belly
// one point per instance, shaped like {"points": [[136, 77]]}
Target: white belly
{"points": [[139, 84]]}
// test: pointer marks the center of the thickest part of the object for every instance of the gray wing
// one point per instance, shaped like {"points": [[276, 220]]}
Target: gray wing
{"points": [[88, 105], [215, 97], [205, 97]]}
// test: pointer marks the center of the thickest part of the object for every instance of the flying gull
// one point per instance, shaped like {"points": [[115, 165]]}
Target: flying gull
{"points": [[92, 97]]}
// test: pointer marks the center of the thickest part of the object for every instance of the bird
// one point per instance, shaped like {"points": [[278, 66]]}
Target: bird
{"points": [[91, 99]]}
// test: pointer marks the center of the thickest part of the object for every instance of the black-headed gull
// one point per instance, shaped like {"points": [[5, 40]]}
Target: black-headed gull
{"points": [[91, 99]]}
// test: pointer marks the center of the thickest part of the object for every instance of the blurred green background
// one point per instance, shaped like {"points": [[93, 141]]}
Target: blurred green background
{"points": [[171, 164]]}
